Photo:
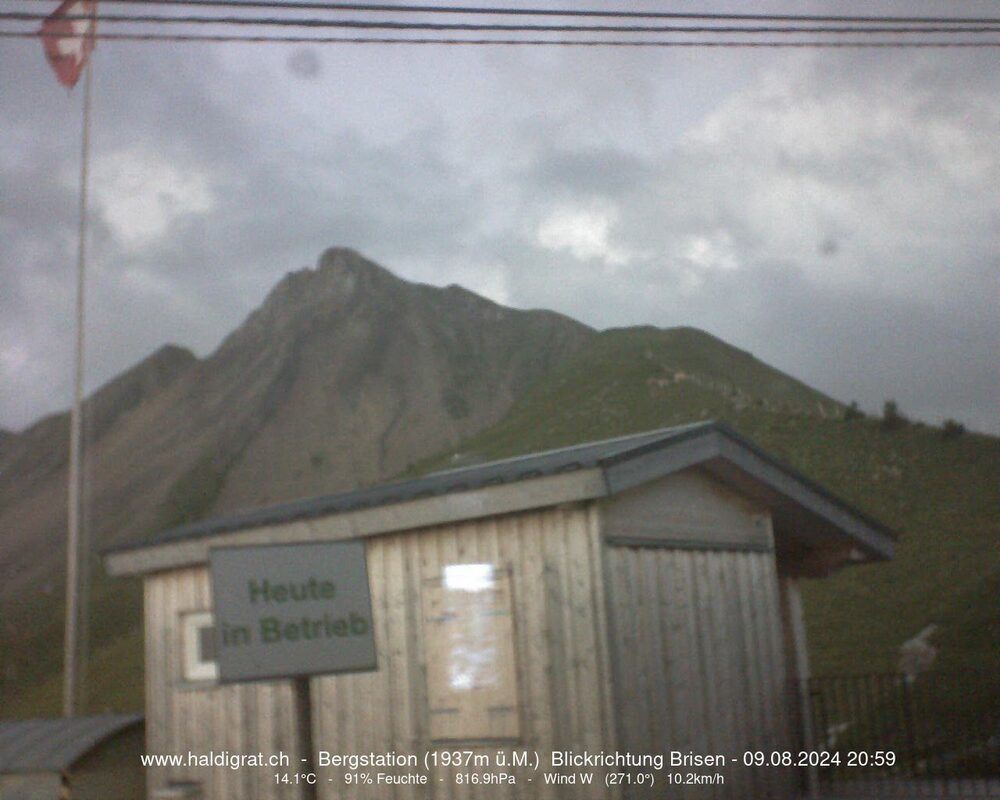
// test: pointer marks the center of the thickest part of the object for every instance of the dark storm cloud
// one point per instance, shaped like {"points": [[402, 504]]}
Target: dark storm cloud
{"points": [[834, 214], [602, 172]]}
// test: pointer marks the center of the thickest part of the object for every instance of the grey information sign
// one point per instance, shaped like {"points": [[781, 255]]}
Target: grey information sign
{"points": [[288, 610]]}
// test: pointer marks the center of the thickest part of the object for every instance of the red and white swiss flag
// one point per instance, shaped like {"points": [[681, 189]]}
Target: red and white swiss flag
{"points": [[68, 36]]}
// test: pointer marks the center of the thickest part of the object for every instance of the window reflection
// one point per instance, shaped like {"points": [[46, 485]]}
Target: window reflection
{"points": [[474, 636]]}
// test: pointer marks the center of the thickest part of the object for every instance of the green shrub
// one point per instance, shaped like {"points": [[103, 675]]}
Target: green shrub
{"points": [[853, 411], [892, 417], [952, 429]]}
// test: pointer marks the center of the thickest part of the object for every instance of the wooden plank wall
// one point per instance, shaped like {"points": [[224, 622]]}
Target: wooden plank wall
{"points": [[690, 509], [563, 669], [563, 682], [247, 718], [697, 648]]}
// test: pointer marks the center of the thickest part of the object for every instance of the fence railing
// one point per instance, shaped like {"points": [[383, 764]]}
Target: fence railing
{"points": [[933, 727]]}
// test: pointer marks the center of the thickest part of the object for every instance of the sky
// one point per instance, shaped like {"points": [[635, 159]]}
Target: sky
{"points": [[837, 213]]}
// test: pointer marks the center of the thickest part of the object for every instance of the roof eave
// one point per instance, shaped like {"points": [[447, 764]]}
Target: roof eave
{"points": [[541, 492], [610, 475], [719, 441], [874, 538]]}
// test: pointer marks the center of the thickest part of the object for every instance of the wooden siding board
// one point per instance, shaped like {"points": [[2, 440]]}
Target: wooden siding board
{"points": [[693, 721], [720, 667], [397, 647], [156, 705], [172, 672], [777, 657], [374, 717], [169, 595], [553, 602], [599, 615], [765, 739], [569, 654], [537, 631], [740, 687], [534, 633], [511, 553], [684, 641], [641, 615], [584, 641], [616, 586], [657, 661], [772, 644], [754, 719], [416, 663]]}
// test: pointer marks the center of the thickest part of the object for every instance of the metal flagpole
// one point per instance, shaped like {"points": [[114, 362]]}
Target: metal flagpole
{"points": [[76, 559]]}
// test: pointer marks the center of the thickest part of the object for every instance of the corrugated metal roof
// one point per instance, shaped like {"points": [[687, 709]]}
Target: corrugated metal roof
{"points": [[52, 745], [509, 470], [613, 456]]}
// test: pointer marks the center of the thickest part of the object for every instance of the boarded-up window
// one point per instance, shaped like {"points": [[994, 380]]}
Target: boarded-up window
{"points": [[471, 663]]}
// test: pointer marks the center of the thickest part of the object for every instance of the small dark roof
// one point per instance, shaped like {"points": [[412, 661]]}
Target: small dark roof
{"points": [[493, 473], [53, 745], [614, 456]]}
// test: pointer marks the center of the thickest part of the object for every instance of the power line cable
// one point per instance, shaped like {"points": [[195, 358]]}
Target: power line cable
{"points": [[395, 25], [690, 43], [555, 12]]}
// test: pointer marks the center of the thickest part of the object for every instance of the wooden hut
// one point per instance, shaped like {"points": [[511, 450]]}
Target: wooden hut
{"points": [[639, 596], [76, 758]]}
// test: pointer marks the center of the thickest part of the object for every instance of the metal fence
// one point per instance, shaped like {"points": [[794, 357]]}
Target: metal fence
{"points": [[935, 729]]}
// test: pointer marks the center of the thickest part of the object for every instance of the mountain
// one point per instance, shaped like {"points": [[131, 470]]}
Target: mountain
{"points": [[347, 375], [342, 377], [36, 453]]}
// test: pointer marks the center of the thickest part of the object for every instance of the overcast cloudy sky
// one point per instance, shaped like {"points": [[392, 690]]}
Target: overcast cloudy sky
{"points": [[834, 212]]}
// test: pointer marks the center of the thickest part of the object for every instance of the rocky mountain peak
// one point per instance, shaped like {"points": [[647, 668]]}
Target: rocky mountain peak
{"points": [[342, 277], [345, 262]]}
